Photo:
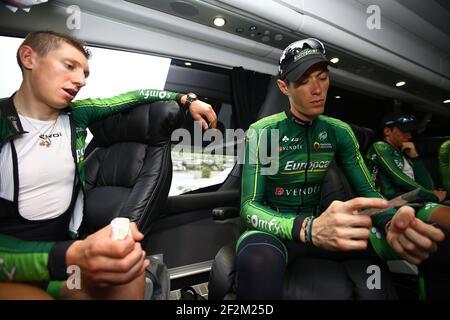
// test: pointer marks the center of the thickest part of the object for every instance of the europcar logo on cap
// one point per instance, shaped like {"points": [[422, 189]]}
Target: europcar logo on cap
{"points": [[305, 53]]}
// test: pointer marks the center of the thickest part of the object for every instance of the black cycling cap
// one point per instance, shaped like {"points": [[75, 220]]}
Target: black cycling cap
{"points": [[404, 122], [299, 56]]}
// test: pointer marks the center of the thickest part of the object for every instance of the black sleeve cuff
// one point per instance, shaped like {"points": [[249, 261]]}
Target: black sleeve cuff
{"points": [[178, 99], [57, 260], [297, 227], [381, 224]]}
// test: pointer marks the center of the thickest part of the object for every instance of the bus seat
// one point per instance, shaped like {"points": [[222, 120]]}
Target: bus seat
{"points": [[129, 173]]}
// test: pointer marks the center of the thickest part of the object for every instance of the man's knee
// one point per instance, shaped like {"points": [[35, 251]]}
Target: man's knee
{"points": [[260, 251]]}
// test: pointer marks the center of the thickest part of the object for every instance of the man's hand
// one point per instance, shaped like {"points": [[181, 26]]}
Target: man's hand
{"points": [[412, 238], [104, 261], [340, 227], [410, 149], [203, 112], [441, 194]]}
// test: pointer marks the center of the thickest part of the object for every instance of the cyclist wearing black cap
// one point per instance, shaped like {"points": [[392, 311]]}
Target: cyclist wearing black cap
{"points": [[397, 168], [281, 207]]}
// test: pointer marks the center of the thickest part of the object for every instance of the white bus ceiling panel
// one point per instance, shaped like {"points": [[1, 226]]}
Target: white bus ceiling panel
{"points": [[110, 32], [343, 24], [402, 31]]}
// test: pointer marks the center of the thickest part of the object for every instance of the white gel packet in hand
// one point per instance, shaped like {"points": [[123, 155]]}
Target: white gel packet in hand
{"points": [[120, 228]]}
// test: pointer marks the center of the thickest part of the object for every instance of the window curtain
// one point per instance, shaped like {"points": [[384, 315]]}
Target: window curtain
{"points": [[248, 89]]}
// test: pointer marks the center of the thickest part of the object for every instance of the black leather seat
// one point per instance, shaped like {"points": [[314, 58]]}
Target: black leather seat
{"points": [[129, 173], [428, 148], [365, 136]]}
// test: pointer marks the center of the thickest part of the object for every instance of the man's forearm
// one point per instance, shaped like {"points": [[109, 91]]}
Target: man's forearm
{"points": [[90, 110]]}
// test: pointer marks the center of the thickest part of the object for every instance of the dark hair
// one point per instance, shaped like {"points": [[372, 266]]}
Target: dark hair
{"points": [[44, 41]]}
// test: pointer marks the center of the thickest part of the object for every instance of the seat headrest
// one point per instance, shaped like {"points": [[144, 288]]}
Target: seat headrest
{"points": [[429, 146], [365, 137], [275, 101], [150, 124]]}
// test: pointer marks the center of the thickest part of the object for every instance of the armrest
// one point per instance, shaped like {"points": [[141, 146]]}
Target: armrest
{"points": [[403, 267], [223, 213]]}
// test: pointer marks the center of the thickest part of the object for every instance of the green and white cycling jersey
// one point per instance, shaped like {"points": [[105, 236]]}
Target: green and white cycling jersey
{"points": [[386, 163], [444, 164], [22, 260], [276, 192]]}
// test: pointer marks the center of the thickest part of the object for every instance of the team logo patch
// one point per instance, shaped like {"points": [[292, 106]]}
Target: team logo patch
{"points": [[323, 135], [316, 146], [285, 139], [279, 191]]}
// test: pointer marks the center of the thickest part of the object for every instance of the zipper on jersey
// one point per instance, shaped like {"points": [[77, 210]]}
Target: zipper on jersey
{"points": [[306, 169]]}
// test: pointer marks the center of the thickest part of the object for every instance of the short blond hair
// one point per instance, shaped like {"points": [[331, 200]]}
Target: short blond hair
{"points": [[44, 41]]}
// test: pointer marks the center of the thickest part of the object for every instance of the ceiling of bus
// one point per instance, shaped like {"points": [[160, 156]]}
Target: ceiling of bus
{"points": [[257, 42], [434, 12]]}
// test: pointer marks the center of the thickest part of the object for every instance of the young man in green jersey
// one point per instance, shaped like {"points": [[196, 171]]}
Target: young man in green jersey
{"points": [[38, 172], [282, 208], [397, 168]]}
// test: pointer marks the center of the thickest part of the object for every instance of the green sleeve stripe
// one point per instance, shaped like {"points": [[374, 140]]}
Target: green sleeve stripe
{"points": [[359, 158], [260, 133], [132, 97], [103, 105], [394, 172], [256, 166]]}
